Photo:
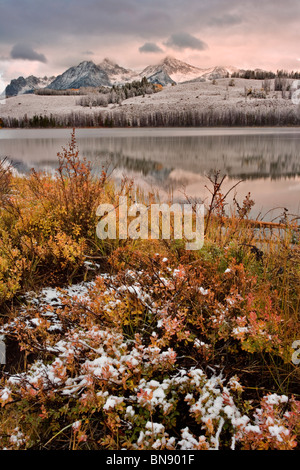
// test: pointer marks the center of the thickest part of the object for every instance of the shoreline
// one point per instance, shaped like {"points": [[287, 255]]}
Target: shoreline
{"points": [[165, 128], [214, 127]]}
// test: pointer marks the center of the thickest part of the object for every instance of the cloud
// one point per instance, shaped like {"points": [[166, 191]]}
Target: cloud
{"points": [[234, 31], [226, 20], [185, 41], [150, 47], [25, 52]]}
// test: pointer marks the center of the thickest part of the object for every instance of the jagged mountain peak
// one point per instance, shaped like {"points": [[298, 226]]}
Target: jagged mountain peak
{"points": [[116, 73], [169, 59], [84, 64], [172, 62], [107, 73], [109, 61], [86, 74], [111, 66], [176, 70], [29, 84]]}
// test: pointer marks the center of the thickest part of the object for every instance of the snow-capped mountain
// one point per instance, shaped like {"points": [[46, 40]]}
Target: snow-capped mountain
{"points": [[177, 70], [218, 72], [214, 73], [107, 73], [23, 85], [117, 75], [180, 72], [86, 74]]}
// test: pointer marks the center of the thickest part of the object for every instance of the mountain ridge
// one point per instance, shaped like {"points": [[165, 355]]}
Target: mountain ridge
{"points": [[21, 85], [116, 73], [108, 73], [86, 74]]}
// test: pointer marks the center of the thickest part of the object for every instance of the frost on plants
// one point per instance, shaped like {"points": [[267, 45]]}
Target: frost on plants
{"points": [[112, 381]]}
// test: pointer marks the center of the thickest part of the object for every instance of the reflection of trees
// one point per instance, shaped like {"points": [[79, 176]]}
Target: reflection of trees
{"points": [[255, 176], [239, 156]]}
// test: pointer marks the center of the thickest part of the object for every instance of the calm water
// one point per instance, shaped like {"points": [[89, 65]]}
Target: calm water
{"points": [[268, 160]]}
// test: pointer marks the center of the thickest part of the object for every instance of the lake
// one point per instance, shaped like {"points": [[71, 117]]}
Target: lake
{"points": [[177, 160]]}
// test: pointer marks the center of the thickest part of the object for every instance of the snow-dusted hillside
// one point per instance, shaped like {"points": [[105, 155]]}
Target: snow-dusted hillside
{"points": [[195, 95]]}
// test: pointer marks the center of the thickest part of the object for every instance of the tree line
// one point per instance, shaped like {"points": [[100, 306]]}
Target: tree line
{"points": [[258, 74], [229, 117], [117, 93]]}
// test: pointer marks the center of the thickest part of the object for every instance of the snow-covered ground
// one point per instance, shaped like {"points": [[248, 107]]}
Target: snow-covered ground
{"points": [[199, 95], [206, 96], [93, 362], [31, 105]]}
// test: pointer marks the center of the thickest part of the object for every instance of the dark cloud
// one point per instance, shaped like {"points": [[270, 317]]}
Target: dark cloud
{"points": [[185, 41], [57, 21], [25, 52], [60, 29], [25, 19], [150, 47], [73, 21]]}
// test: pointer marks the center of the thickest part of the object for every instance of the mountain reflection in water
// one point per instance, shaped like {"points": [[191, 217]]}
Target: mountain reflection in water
{"points": [[267, 159]]}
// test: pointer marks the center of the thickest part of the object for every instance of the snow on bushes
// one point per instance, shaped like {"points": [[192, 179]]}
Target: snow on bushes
{"points": [[109, 369]]}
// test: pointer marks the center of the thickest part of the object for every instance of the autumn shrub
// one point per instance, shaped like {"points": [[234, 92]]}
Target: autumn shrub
{"points": [[11, 268], [221, 303], [103, 375], [153, 357], [74, 193], [50, 222], [5, 180]]}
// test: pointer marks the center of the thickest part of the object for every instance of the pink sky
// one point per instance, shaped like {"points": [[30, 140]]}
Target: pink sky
{"points": [[46, 38]]}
